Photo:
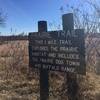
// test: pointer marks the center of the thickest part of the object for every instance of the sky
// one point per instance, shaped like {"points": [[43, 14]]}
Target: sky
{"points": [[23, 15]]}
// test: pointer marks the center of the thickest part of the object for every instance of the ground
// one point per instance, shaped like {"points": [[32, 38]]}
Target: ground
{"points": [[18, 83]]}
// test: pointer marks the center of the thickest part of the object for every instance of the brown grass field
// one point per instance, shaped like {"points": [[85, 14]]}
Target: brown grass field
{"points": [[19, 82]]}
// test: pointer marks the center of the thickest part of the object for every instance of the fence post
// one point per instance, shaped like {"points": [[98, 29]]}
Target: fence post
{"points": [[72, 86], [44, 74]]}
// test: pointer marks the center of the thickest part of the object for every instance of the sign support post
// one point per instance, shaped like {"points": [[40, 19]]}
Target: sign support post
{"points": [[44, 74], [62, 50], [72, 86]]}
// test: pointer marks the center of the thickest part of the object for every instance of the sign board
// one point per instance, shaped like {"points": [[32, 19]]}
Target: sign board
{"points": [[58, 50]]}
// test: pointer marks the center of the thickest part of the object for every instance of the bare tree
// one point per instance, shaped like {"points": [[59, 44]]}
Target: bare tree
{"points": [[87, 16], [2, 19]]}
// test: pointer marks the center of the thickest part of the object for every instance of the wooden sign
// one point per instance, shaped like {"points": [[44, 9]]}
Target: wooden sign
{"points": [[58, 50]]}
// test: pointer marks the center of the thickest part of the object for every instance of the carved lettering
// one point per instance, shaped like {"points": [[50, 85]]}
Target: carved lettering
{"points": [[72, 63], [69, 49], [54, 48]]}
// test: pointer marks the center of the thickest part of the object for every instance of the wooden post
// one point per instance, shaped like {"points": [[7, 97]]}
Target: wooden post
{"points": [[72, 86], [44, 74]]}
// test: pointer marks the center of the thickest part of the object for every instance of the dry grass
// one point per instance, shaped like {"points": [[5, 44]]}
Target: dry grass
{"points": [[17, 83], [90, 87]]}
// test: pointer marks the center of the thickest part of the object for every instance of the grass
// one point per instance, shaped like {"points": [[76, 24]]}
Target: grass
{"points": [[17, 83]]}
